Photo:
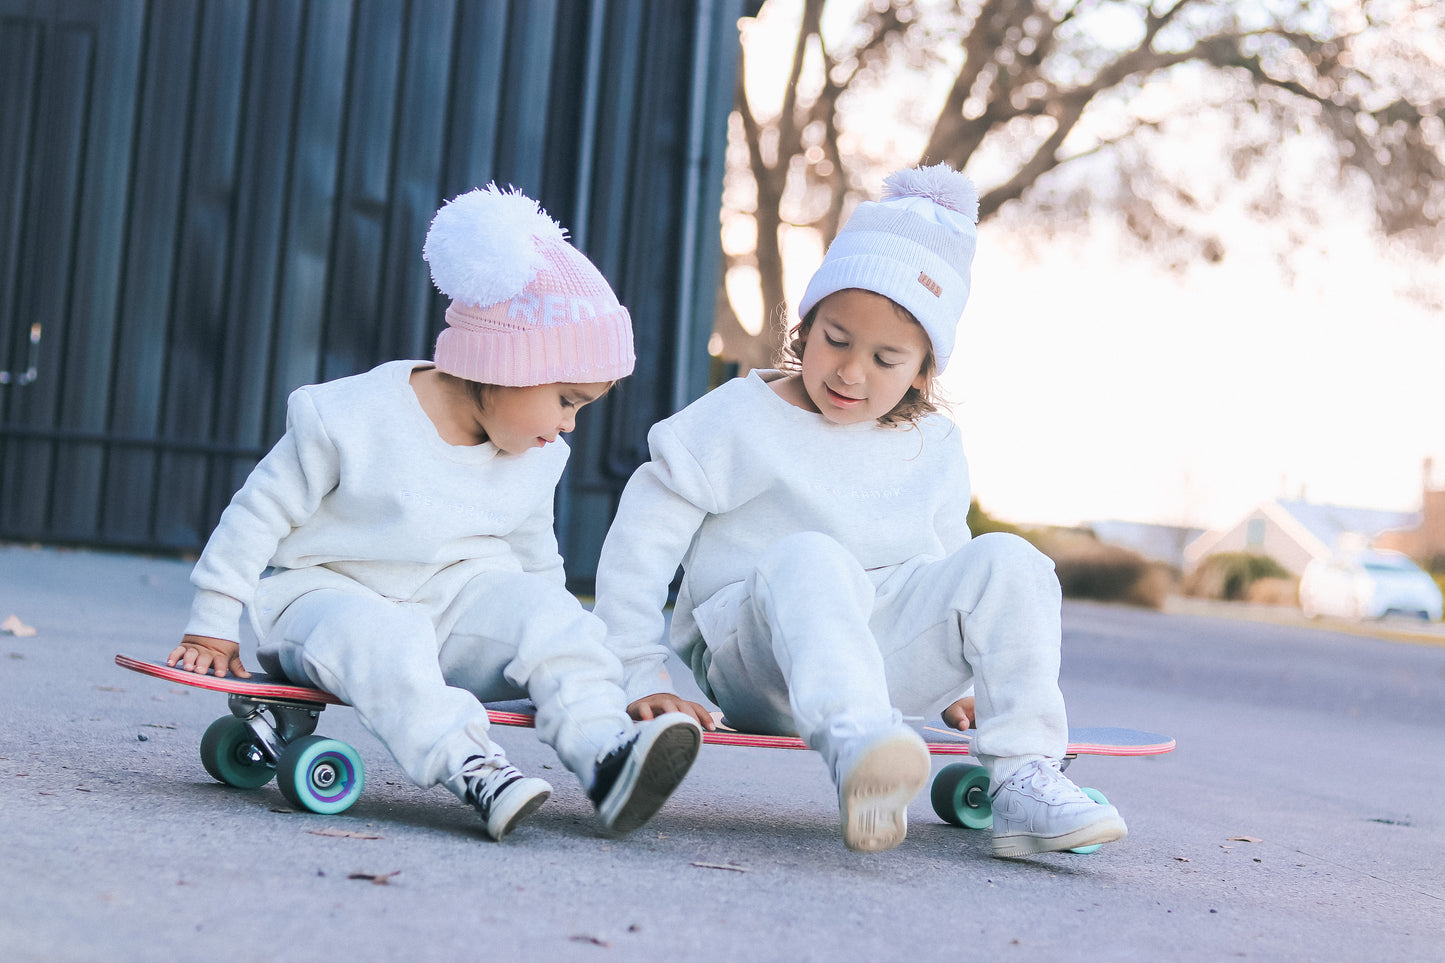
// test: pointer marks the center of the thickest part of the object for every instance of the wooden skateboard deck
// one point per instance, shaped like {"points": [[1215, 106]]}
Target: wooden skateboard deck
{"points": [[1097, 741]]}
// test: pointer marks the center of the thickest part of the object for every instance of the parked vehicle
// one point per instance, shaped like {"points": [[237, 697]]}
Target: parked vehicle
{"points": [[1369, 585]]}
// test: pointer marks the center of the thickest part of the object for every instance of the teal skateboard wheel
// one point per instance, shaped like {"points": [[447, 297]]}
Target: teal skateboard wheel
{"points": [[960, 796], [320, 774], [231, 755]]}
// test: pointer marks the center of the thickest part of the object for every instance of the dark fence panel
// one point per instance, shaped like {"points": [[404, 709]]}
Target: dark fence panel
{"points": [[206, 203]]}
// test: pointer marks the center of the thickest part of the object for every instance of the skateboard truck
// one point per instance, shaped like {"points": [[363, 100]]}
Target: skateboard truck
{"points": [[288, 722]]}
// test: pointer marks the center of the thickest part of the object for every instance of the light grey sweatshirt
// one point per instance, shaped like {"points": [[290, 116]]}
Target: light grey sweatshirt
{"points": [[361, 484], [738, 469]]}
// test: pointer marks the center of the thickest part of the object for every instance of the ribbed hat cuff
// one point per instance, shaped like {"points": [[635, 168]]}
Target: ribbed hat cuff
{"points": [[500, 354]]}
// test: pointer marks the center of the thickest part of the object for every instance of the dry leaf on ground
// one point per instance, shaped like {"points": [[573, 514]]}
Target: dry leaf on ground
{"points": [[343, 834]]}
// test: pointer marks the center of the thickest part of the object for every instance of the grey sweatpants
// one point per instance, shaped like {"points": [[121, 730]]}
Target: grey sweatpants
{"points": [[417, 672], [813, 644]]}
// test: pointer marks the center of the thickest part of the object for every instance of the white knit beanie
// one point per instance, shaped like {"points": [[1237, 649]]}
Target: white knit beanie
{"points": [[527, 307], [914, 247]]}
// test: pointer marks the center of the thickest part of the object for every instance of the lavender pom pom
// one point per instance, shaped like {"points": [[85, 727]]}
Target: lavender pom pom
{"points": [[940, 183]]}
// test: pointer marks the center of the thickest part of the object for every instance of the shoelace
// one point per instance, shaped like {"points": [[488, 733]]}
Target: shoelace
{"points": [[487, 783], [1049, 782]]}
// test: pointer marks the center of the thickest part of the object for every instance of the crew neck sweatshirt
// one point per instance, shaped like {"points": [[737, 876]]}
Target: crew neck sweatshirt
{"points": [[361, 484], [740, 468]]}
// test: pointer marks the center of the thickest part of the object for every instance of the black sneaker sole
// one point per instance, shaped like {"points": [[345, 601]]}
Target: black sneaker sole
{"points": [[659, 761]]}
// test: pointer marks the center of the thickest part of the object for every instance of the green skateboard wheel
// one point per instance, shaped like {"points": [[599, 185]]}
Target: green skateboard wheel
{"points": [[960, 795], [231, 755]]}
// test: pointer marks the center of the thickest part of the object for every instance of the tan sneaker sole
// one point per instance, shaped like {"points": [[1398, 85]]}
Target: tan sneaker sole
{"points": [[1108, 830], [873, 800]]}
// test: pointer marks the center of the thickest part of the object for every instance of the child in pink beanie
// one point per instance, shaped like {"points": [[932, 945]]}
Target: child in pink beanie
{"points": [[396, 546]]}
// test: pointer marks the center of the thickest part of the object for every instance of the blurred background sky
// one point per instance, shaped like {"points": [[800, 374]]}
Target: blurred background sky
{"points": [[1106, 388], [1096, 384]]}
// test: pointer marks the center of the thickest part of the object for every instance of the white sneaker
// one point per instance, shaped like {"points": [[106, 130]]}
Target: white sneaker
{"points": [[876, 781], [501, 793], [1038, 810], [635, 777]]}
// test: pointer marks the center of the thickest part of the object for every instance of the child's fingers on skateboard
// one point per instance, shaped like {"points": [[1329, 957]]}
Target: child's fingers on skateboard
{"points": [[195, 660], [659, 703], [704, 716], [698, 712]]}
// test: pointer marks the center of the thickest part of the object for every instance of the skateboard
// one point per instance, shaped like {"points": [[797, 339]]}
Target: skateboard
{"points": [[271, 733]]}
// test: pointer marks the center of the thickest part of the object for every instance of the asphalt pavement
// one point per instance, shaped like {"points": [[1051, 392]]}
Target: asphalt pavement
{"points": [[1299, 819]]}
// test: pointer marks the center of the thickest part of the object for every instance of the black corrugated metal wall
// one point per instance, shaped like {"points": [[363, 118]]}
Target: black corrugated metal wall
{"points": [[205, 203]]}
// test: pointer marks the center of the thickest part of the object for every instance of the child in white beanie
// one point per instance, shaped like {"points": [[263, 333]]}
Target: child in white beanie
{"points": [[405, 521], [829, 579]]}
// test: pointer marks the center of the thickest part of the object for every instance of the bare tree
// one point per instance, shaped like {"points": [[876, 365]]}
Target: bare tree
{"points": [[1034, 89]]}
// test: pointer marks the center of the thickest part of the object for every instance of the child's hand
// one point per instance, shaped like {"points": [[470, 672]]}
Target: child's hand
{"points": [[650, 707], [960, 714], [199, 653]]}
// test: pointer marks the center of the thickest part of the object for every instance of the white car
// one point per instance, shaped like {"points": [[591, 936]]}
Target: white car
{"points": [[1368, 585]]}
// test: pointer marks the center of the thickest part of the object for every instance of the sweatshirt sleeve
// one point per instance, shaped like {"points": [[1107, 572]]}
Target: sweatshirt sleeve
{"points": [[535, 542], [951, 519], [282, 491], [662, 507]]}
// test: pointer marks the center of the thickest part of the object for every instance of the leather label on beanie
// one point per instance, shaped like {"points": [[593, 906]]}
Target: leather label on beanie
{"points": [[933, 286]]}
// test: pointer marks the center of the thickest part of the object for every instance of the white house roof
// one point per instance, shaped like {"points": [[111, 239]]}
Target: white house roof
{"points": [[1319, 530], [1332, 523]]}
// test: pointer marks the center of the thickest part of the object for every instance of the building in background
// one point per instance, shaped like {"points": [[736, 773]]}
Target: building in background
{"points": [[1294, 533], [205, 205], [1157, 543], [1425, 542]]}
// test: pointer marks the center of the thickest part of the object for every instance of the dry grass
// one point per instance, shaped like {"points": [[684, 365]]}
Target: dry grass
{"points": [[1090, 569], [1273, 591]]}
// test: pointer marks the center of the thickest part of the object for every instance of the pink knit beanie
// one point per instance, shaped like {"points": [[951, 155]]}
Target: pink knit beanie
{"points": [[527, 307]]}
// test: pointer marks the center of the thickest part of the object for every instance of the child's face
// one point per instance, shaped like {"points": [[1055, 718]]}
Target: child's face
{"points": [[519, 419], [861, 356]]}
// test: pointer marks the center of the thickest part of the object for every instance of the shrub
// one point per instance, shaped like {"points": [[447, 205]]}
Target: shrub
{"points": [[1091, 569], [1087, 568], [981, 522], [1229, 576]]}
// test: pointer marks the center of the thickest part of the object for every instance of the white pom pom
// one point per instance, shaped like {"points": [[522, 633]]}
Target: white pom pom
{"points": [[940, 183], [482, 245]]}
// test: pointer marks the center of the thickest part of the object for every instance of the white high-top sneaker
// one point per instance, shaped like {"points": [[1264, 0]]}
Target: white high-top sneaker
{"points": [[1038, 810], [502, 795], [635, 777]]}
